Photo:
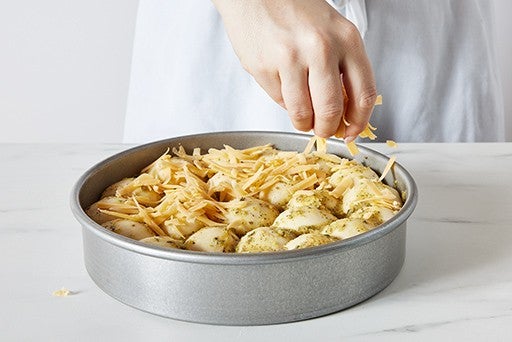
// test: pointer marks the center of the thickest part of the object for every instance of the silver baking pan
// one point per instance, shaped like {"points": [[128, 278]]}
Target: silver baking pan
{"points": [[239, 289]]}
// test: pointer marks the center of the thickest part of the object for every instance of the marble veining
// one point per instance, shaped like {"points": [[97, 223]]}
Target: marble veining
{"points": [[456, 283], [415, 328]]}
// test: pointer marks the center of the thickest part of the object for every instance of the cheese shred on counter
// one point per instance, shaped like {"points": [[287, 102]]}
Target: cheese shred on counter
{"points": [[252, 200]]}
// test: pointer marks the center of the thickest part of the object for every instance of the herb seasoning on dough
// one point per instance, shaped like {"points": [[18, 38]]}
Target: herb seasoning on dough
{"points": [[258, 199]]}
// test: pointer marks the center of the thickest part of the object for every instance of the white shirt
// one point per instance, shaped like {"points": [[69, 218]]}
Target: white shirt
{"points": [[433, 60]]}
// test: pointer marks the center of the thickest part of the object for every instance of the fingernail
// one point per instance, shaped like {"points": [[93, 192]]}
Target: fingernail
{"points": [[350, 138]]}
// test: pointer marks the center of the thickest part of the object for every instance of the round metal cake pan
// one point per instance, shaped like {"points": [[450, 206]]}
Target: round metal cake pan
{"points": [[239, 289]]}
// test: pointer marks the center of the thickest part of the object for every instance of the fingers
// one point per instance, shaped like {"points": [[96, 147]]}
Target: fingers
{"points": [[271, 83], [314, 99], [340, 133], [361, 91], [326, 97], [311, 89], [295, 91]]}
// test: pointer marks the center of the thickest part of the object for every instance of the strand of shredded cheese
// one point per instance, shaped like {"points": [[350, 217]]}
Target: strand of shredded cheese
{"points": [[147, 219], [340, 189], [352, 148], [62, 292], [391, 143], [321, 145], [310, 145], [389, 164], [378, 100]]}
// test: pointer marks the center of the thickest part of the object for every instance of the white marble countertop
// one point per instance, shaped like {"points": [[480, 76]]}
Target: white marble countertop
{"points": [[456, 283]]}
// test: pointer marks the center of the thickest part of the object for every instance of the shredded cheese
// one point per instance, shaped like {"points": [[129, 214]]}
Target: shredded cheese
{"points": [[340, 189], [378, 100], [310, 145], [368, 132], [62, 292], [352, 148], [391, 143], [147, 219], [180, 193], [390, 163], [321, 145]]}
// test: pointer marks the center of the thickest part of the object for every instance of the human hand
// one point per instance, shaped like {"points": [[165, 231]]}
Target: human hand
{"points": [[301, 52]]}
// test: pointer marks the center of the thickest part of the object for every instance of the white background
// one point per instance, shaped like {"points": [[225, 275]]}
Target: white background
{"points": [[64, 68]]}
